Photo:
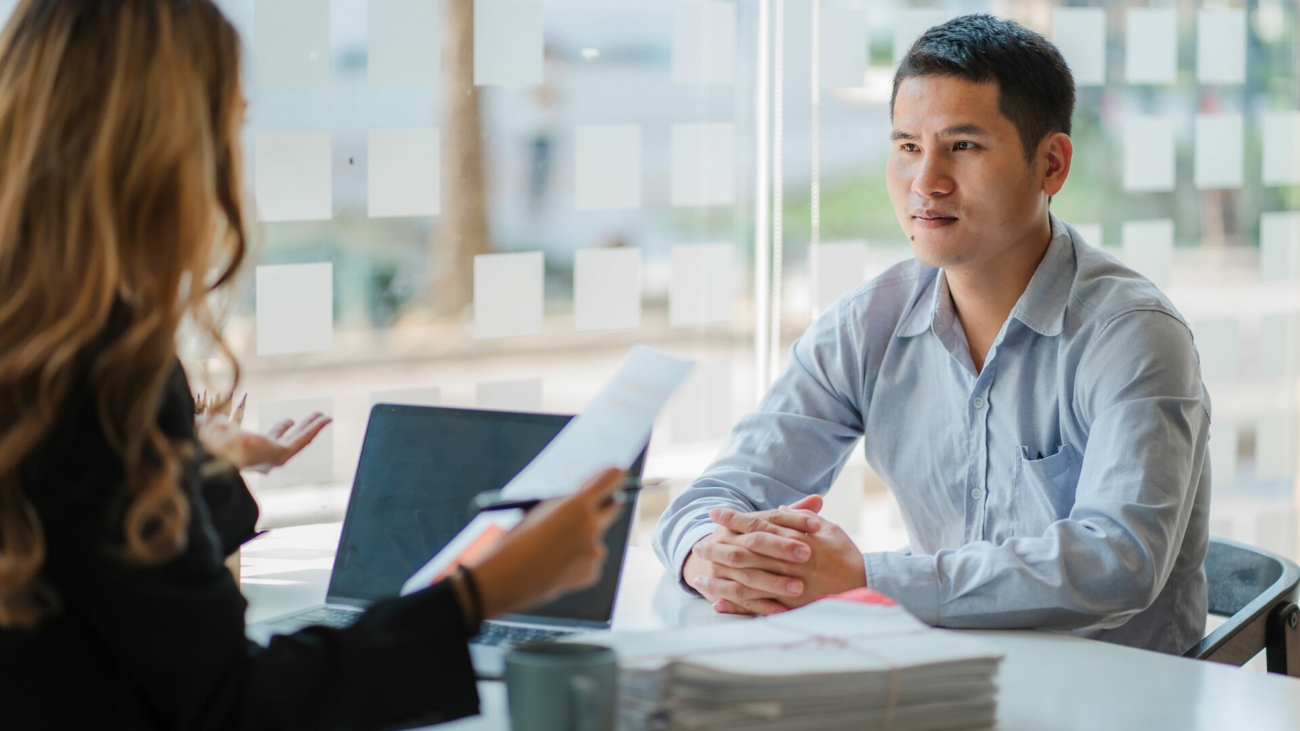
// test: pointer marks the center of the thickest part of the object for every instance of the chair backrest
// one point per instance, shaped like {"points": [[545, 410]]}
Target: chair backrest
{"points": [[1245, 584], [1237, 575]]}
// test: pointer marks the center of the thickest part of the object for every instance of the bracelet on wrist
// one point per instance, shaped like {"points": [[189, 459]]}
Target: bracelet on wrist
{"points": [[472, 594]]}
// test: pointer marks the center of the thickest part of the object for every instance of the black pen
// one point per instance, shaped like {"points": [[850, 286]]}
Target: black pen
{"points": [[491, 500]]}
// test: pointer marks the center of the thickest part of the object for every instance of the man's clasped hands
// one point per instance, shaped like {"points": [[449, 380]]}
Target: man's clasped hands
{"points": [[770, 561]]}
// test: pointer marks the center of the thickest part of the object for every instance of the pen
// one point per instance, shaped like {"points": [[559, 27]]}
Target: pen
{"points": [[491, 500]]}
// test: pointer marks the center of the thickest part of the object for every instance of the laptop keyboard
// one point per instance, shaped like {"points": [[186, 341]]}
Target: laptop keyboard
{"points": [[508, 635], [328, 616], [490, 634]]}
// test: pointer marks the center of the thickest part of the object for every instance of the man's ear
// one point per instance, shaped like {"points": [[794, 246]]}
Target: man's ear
{"points": [[1058, 151]]}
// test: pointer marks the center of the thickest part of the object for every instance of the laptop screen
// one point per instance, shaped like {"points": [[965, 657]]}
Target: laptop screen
{"points": [[420, 466]]}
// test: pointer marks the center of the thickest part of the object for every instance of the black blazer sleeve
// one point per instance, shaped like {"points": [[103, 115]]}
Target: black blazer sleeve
{"points": [[171, 638]]}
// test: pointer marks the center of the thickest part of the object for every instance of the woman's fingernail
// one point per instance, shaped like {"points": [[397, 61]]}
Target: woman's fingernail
{"points": [[802, 552], [793, 588], [814, 525]]}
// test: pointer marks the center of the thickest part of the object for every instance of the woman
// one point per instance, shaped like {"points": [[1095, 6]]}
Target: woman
{"points": [[119, 201]]}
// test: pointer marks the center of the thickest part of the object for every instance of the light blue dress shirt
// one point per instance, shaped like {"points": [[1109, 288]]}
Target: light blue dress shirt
{"points": [[1065, 486]]}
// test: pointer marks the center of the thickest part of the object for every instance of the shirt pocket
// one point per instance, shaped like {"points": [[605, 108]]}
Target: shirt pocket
{"points": [[1044, 490]]}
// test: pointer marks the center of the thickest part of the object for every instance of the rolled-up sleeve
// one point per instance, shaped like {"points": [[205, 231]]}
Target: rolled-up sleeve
{"points": [[792, 446], [1138, 382]]}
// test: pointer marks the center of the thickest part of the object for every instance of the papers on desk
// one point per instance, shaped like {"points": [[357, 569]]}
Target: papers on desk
{"points": [[610, 433], [840, 662]]}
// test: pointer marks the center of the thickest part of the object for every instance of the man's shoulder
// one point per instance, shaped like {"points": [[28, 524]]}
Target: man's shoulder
{"points": [[1105, 291], [889, 294]]}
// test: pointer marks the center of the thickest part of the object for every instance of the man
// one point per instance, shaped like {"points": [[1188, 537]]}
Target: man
{"points": [[1035, 406]]}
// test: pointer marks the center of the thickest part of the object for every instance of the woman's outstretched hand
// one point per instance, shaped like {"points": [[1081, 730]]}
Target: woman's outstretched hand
{"points": [[225, 439], [558, 548]]}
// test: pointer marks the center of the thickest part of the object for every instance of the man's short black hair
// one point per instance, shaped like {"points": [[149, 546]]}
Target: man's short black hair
{"points": [[1035, 87]]}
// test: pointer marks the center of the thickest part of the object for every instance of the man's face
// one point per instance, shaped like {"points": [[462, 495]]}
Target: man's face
{"points": [[957, 174]]}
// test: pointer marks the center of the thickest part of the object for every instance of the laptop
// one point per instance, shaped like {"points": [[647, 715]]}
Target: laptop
{"points": [[419, 468]]}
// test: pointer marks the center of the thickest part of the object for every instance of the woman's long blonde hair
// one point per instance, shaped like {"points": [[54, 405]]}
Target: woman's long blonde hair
{"points": [[119, 187]]}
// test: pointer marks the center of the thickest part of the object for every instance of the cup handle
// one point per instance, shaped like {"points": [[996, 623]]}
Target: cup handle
{"points": [[583, 703]]}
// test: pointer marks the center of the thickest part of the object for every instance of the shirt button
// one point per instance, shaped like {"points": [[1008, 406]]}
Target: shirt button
{"points": [[978, 402], [976, 494]]}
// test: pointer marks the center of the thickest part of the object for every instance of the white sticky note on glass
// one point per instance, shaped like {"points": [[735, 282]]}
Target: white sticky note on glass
{"points": [[402, 46], [1151, 51], [704, 166], [1223, 453], [292, 177], [701, 410], [1080, 36], [1090, 233], [403, 173], [909, 24], [507, 43], [1275, 446], [1148, 153], [704, 42], [1219, 348], [508, 290], [1281, 148], [607, 289], [1221, 46], [1219, 141], [315, 463], [295, 308], [1149, 249], [292, 42], [1279, 336], [1279, 245], [523, 395], [841, 266], [608, 166], [844, 47], [702, 282], [431, 396]]}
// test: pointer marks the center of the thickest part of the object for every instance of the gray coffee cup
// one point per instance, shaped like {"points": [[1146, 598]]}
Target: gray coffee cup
{"points": [[556, 686]]}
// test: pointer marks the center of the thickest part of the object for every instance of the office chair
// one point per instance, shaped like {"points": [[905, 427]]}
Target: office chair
{"points": [[1257, 591]]}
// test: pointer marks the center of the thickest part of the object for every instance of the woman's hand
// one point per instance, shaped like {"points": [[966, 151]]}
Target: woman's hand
{"points": [[223, 438], [558, 548]]}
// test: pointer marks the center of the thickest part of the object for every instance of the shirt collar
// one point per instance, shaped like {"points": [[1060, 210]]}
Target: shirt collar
{"points": [[925, 305], [1041, 307]]}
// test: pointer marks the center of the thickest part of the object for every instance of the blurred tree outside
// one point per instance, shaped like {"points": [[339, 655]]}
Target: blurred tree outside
{"points": [[461, 233]]}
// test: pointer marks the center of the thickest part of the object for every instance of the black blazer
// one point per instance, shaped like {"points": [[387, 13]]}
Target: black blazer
{"points": [[164, 647]]}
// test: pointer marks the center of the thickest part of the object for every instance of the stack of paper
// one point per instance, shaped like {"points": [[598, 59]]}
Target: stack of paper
{"points": [[836, 663]]}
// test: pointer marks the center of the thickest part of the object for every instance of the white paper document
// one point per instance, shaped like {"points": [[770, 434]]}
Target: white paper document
{"points": [[852, 661], [610, 433]]}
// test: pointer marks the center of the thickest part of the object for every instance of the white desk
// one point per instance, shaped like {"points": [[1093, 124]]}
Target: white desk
{"points": [[1047, 681]]}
